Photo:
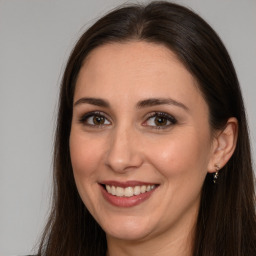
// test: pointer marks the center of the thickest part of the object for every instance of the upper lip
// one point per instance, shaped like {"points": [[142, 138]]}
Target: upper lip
{"points": [[130, 183]]}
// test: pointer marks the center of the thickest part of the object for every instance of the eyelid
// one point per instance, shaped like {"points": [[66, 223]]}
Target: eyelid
{"points": [[169, 117], [87, 115], [172, 120]]}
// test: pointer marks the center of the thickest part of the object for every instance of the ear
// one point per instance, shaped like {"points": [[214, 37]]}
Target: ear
{"points": [[224, 145]]}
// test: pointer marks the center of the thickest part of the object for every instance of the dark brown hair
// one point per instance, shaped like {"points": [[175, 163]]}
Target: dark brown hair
{"points": [[226, 223]]}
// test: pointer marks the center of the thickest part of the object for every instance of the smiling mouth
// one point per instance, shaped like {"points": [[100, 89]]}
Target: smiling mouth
{"points": [[128, 191]]}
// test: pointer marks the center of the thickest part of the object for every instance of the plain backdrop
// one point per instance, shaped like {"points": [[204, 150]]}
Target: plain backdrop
{"points": [[36, 37]]}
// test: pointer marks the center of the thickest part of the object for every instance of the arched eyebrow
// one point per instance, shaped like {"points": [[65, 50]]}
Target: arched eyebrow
{"points": [[93, 101], [160, 101], [141, 104]]}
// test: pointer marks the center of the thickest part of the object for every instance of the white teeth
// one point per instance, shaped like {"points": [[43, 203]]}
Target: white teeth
{"points": [[136, 190], [108, 188], [143, 189], [113, 191], [119, 191], [129, 191]]}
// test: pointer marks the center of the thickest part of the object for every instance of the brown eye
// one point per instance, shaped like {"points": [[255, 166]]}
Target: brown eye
{"points": [[98, 120], [160, 121], [95, 119]]}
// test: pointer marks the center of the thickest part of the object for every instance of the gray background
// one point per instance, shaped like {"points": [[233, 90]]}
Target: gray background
{"points": [[36, 37]]}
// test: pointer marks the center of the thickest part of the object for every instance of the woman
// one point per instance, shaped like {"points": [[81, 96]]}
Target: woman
{"points": [[152, 155]]}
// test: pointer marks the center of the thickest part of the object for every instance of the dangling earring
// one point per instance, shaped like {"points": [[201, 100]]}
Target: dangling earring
{"points": [[216, 174]]}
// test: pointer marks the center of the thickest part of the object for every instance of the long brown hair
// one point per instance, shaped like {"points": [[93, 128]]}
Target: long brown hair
{"points": [[226, 222]]}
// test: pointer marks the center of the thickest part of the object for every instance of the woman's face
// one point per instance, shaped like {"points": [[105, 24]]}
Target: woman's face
{"points": [[140, 141]]}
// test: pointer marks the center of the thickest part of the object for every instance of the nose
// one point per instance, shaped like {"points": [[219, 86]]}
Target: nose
{"points": [[124, 151]]}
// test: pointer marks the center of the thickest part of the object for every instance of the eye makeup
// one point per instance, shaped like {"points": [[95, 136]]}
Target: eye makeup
{"points": [[154, 120], [159, 120], [95, 119]]}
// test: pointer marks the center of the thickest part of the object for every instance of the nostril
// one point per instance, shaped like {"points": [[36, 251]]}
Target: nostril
{"points": [[123, 155]]}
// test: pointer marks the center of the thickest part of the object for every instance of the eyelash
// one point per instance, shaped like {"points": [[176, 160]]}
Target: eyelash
{"points": [[166, 118], [84, 119]]}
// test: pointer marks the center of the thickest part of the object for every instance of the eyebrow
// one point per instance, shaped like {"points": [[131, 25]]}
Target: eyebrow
{"points": [[160, 101], [93, 101], [141, 104]]}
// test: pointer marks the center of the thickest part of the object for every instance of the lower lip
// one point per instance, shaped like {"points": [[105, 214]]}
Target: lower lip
{"points": [[126, 201]]}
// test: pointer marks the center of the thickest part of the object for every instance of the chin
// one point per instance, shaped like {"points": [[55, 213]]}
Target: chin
{"points": [[128, 229]]}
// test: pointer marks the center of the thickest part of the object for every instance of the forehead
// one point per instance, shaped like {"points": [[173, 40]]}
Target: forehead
{"points": [[136, 59], [135, 70]]}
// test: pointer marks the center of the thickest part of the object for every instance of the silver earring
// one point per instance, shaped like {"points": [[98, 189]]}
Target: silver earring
{"points": [[216, 174]]}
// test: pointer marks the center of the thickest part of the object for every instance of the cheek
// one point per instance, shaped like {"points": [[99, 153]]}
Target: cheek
{"points": [[85, 157], [185, 153], [182, 163]]}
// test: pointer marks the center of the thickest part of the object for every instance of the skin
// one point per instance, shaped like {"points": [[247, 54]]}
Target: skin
{"points": [[129, 145]]}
